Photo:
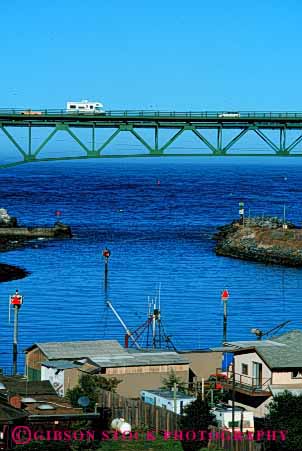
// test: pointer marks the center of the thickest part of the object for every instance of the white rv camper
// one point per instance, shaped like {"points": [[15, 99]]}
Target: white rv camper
{"points": [[85, 107]]}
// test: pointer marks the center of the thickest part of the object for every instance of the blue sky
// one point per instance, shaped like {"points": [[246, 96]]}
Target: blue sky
{"points": [[170, 55]]}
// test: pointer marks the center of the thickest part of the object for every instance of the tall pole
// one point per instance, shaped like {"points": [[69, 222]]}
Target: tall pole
{"points": [[16, 301], [224, 297], [106, 255], [175, 397], [15, 343], [225, 314], [233, 402]]}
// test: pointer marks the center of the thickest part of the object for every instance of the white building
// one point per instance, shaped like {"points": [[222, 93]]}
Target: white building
{"points": [[243, 420], [167, 399], [265, 368]]}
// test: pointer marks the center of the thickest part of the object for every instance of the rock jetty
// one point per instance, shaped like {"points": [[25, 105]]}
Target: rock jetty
{"points": [[12, 236], [263, 239], [9, 228]]}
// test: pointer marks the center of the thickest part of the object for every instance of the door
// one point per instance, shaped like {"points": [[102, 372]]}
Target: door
{"points": [[257, 374]]}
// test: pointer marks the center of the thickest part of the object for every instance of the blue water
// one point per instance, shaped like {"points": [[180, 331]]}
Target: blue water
{"points": [[157, 232]]}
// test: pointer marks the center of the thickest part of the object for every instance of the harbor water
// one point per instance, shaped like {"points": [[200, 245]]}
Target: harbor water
{"points": [[158, 217]]}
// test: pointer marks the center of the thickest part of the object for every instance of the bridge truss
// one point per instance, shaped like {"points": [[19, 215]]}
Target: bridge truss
{"points": [[133, 121]]}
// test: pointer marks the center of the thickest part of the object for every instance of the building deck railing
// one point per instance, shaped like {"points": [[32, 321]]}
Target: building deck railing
{"points": [[249, 383]]}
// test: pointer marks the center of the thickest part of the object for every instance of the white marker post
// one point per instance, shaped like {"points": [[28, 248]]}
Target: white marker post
{"points": [[16, 300]]}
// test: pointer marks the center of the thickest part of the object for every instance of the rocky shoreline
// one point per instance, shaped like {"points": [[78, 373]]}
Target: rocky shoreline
{"points": [[11, 272], [267, 240], [13, 236]]}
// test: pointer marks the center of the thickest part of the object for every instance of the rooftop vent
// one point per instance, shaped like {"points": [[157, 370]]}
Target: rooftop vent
{"points": [[46, 407]]}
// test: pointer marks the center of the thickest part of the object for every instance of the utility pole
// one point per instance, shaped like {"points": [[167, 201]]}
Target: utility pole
{"points": [[175, 397], [233, 403], [16, 300]]}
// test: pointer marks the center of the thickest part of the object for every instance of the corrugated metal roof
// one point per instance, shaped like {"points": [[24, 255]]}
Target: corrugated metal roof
{"points": [[140, 359], [106, 354], [232, 346], [78, 349], [21, 386], [287, 356], [61, 364], [284, 351]]}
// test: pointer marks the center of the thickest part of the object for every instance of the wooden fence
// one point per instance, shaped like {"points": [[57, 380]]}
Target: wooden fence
{"points": [[229, 445], [138, 413], [145, 416]]}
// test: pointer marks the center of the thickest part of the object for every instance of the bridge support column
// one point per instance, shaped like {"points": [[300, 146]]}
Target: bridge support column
{"points": [[219, 150], [29, 140], [283, 150], [156, 139], [93, 138]]}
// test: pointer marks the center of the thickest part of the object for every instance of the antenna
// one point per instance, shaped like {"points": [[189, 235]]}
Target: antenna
{"points": [[259, 333], [151, 333]]}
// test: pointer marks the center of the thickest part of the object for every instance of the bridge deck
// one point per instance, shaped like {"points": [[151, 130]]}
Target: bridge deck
{"points": [[141, 118]]}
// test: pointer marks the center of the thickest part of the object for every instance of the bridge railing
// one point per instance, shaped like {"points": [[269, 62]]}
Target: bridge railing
{"points": [[148, 114]]}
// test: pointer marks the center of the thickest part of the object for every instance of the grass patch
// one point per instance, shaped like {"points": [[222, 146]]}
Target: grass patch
{"points": [[141, 445]]}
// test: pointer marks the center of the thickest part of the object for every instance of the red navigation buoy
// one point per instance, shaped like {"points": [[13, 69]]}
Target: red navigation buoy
{"points": [[225, 295], [16, 299], [106, 253]]}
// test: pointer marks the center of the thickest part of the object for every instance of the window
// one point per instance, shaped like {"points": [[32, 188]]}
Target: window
{"points": [[91, 107], [297, 374], [72, 106], [244, 369], [236, 424]]}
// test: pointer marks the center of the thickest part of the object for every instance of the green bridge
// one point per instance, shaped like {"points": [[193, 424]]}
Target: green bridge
{"points": [[132, 122]]}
